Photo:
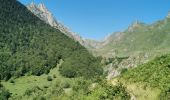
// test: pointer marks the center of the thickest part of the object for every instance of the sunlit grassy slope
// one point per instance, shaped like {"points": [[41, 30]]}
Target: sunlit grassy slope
{"points": [[150, 81], [138, 38], [22, 84]]}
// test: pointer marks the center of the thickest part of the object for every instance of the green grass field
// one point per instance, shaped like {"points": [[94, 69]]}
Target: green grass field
{"points": [[22, 84]]}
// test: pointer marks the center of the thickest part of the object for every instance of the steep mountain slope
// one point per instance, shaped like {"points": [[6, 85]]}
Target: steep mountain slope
{"points": [[139, 37], [30, 46], [44, 14], [140, 43], [154, 74]]}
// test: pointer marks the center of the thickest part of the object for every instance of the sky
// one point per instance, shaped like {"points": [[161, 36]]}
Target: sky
{"points": [[95, 19]]}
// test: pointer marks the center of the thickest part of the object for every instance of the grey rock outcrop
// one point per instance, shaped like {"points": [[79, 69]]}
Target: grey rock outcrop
{"points": [[44, 14]]}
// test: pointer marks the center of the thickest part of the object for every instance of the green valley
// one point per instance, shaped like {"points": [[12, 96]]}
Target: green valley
{"points": [[41, 59]]}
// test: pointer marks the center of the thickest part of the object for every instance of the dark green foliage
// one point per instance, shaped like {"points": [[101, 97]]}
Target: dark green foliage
{"points": [[4, 94], [46, 86], [49, 78], [42, 98], [28, 45], [1, 85], [54, 76], [165, 95], [87, 66], [123, 70], [12, 81]]}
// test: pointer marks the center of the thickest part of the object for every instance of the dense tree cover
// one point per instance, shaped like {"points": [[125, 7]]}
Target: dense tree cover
{"points": [[155, 73], [82, 68], [28, 45]]}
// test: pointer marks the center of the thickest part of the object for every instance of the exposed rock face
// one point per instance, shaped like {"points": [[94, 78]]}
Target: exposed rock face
{"points": [[44, 14]]}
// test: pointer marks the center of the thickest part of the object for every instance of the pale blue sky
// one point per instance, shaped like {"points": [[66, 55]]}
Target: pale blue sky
{"points": [[95, 19]]}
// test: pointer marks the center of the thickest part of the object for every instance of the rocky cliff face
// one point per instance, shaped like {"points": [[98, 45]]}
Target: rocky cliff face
{"points": [[44, 14]]}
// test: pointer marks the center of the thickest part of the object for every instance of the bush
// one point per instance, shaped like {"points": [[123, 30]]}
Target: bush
{"points": [[28, 92], [49, 78], [66, 85], [12, 81], [4, 94], [165, 95], [42, 98], [1, 85], [54, 76], [123, 70], [45, 86]]}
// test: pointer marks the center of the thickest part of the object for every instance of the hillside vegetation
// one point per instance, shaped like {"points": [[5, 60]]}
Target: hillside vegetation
{"points": [[53, 86], [139, 37], [154, 74], [30, 46]]}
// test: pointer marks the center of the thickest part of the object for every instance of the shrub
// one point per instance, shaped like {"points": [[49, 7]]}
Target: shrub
{"points": [[1, 85], [4, 94], [54, 76], [66, 85], [49, 78], [45, 86], [42, 98], [123, 70], [28, 92], [12, 81]]}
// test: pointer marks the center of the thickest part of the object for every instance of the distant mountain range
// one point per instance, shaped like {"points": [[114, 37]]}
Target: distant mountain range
{"points": [[138, 40], [139, 37]]}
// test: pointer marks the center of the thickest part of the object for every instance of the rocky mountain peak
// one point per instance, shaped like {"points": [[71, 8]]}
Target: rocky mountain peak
{"points": [[44, 14], [43, 8], [32, 4]]}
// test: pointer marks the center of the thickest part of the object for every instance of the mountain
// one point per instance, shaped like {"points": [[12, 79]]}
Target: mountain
{"points": [[29, 46], [44, 14], [139, 37], [139, 43]]}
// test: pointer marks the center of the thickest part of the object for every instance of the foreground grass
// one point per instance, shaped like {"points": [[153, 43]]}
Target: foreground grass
{"points": [[22, 84], [149, 81], [139, 91]]}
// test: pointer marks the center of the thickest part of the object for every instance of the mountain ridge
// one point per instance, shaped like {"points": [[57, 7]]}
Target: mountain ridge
{"points": [[44, 14], [31, 46]]}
